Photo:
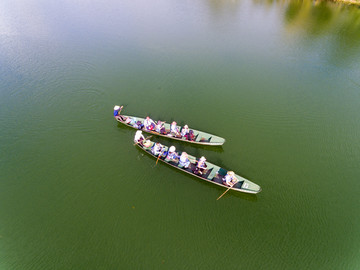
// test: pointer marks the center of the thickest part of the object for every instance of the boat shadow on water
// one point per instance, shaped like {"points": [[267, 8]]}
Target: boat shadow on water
{"points": [[231, 193]]}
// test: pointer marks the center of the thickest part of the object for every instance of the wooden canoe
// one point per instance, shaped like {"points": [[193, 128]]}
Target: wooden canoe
{"points": [[213, 174], [199, 136]]}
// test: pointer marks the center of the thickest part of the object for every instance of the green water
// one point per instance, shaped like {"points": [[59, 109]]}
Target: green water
{"points": [[280, 80]]}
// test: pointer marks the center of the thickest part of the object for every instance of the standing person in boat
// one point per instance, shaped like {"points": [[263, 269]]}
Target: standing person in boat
{"points": [[174, 129], [201, 166], [172, 155], [157, 149], [184, 160], [117, 110], [230, 179], [185, 131], [139, 137], [117, 115], [159, 128], [149, 124]]}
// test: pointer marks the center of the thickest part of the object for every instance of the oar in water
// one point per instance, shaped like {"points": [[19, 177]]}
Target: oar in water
{"points": [[227, 190], [162, 152], [144, 140]]}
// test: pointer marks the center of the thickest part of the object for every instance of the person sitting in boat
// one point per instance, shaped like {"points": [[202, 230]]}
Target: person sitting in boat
{"points": [[149, 124], [185, 131], [137, 124], [184, 160], [160, 128], [230, 179], [139, 137], [191, 136], [172, 155], [146, 143], [201, 166], [157, 149], [174, 129]]}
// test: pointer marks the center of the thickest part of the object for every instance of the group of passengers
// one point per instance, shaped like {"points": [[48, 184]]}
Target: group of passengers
{"points": [[182, 160], [171, 155], [159, 127]]}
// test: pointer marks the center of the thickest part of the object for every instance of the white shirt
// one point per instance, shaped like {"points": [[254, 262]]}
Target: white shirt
{"points": [[159, 127], [147, 122], [138, 136], [230, 180], [174, 128], [184, 131]]}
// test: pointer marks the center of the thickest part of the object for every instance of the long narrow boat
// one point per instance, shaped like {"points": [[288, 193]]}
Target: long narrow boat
{"points": [[199, 137], [213, 174]]}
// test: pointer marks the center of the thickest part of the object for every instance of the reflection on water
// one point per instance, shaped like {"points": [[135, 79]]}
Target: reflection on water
{"points": [[221, 8], [326, 19], [338, 23]]}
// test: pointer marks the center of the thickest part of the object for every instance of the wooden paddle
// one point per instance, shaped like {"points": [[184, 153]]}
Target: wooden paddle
{"points": [[162, 152], [227, 190], [120, 112]]}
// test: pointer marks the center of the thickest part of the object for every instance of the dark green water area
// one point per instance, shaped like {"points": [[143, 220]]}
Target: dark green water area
{"points": [[280, 80]]}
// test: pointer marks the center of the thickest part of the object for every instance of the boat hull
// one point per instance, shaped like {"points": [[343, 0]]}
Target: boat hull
{"points": [[200, 137], [214, 174]]}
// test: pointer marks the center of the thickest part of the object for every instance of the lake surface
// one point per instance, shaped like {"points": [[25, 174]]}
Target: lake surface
{"points": [[280, 80]]}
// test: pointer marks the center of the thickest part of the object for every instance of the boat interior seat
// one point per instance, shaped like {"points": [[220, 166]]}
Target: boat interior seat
{"points": [[219, 175], [206, 175], [222, 172], [174, 163], [191, 168], [212, 174], [149, 147], [238, 184], [217, 179], [203, 139]]}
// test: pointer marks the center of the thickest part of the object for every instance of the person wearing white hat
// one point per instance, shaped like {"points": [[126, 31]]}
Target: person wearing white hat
{"points": [[117, 110], [230, 179], [139, 137], [185, 131], [184, 160], [117, 115], [174, 129], [172, 155], [201, 166]]}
